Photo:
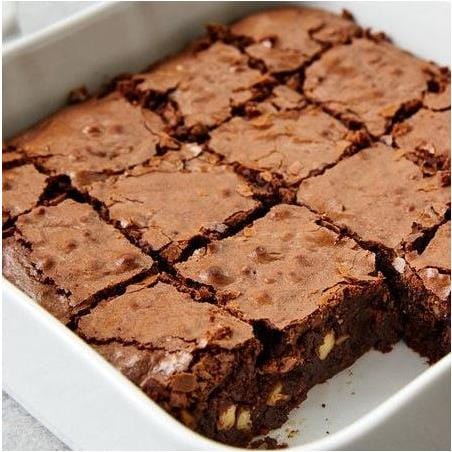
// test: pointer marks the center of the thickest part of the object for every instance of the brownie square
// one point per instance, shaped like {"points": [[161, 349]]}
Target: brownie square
{"points": [[384, 200], [66, 258], [92, 138], [315, 299], [205, 85], [173, 204], [425, 139], [368, 82], [289, 143], [23, 187], [378, 195], [195, 360], [285, 39], [423, 279]]}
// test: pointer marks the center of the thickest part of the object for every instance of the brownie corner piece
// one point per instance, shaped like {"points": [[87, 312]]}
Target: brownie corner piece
{"points": [[381, 81], [66, 258], [194, 359], [315, 299], [203, 200], [286, 38], [99, 136]]}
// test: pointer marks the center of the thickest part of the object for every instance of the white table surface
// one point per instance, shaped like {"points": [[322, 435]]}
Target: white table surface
{"points": [[20, 430]]}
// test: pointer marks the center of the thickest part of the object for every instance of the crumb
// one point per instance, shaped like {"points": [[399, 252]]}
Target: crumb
{"points": [[267, 443]]}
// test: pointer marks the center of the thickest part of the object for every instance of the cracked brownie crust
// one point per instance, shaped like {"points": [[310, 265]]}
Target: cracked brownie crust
{"points": [[293, 144], [67, 258], [243, 220], [201, 200], [285, 39], [99, 136], [368, 82]]}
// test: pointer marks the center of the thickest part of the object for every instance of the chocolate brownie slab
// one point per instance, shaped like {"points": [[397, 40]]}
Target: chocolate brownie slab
{"points": [[378, 195], [385, 201], [425, 139], [65, 257], [23, 187], [285, 39], [204, 85], [293, 144], [99, 136], [426, 274], [368, 82], [194, 359], [315, 299], [171, 204]]}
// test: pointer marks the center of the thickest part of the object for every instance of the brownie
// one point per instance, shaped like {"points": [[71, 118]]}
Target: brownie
{"points": [[22, 188], [86, 140], [66, 258], [194, 359], [201, 201], [425, 276], [195, 78], [384, 201], [291, 143], [245, 219], [315, 299], [285, 39], [368, 82], [425, 139]]}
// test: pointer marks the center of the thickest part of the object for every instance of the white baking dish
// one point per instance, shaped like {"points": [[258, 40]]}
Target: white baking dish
{"points": [[391, 401]]}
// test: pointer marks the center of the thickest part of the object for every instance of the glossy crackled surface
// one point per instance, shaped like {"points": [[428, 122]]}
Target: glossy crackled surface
{"points": [[245, 219]]}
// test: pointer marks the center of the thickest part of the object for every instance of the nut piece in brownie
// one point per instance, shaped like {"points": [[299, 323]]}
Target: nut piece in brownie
{"points": [[384, 200], [426, 272], [425, 139], [315, 299], [194, 359], [285, 39], [65, 257], [22, 189], [172, 204], [368, 82], [205, 85], [290, 143], [93, 138]]}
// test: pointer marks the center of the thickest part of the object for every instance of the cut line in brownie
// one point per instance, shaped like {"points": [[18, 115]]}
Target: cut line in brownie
{"points": [[425, 139], [385, 201], [290, 143], [66, 258], [93, 138], [315, 299], [172, 204], [194, 359], [205, 85], [287, 38], [368, 82]]}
